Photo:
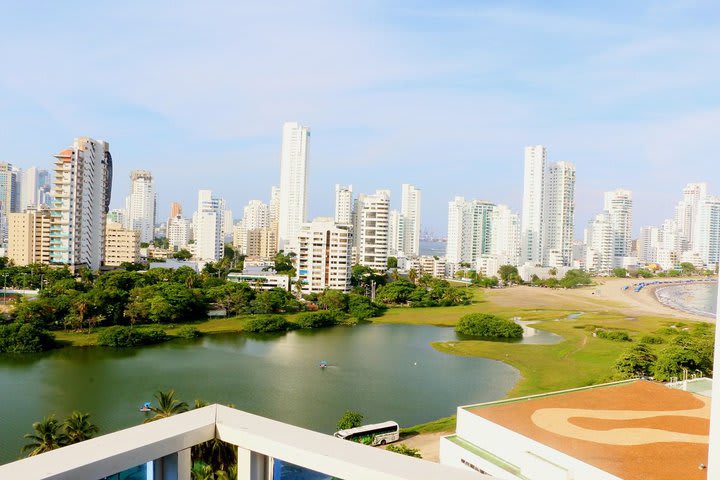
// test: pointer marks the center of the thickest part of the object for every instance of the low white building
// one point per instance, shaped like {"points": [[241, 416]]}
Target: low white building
{"points": [[623, 430], [261, 280]]}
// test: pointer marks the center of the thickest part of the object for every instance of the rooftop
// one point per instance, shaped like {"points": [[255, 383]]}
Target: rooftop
{"points": [[635, 430]]}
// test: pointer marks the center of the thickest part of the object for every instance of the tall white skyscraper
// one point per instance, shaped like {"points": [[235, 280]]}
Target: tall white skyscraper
{"points": [[293, 184], [141, 205], [707, 231], [505, 236], [686, 213], [469, 230], [558, 227], [208, 227], [371, 229], [410, 211], [396, 225], [532, 206], [178, 231], [454, 245], [343, 203], [648, 244], [8, 186], [600, 242], [256, 214], [29, 189], [619, 205], [81, 197]]}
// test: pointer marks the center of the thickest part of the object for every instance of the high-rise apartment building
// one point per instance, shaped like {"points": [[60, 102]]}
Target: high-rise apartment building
{"points": [[410, 211], [253, 235], [8, 187], [256, 214], [706, 237], [81, 197], [371, 229], [141, 205], [454, 245], [29, 237], [686, 213], [548, 215], [504, 236], [648, 244], [179, 231], [600, 241], [121, 245], [208, 227], [175, 209], [396, 225], [558, 216], [469, 230], [29, 189], [619, 206], [343, 203], [293, 184], [532, 206], [325, 256], [260, 243]]}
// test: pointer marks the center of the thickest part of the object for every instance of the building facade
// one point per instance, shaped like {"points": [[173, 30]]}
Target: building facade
{"points": [[325, 256], [121, 245], [371, 229], [293, 184], [343, 203], [410, 211], [532, 205], [179, 232], [619, 206], [558, 217], [81, 197], [208, 227], [29, 237], [707, 231], [141, 205]]}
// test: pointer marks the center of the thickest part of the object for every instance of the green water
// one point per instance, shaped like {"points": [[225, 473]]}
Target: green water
{"points": [[387, 372]]}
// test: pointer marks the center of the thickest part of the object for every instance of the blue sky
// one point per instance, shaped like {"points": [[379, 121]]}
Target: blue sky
{"points": [[442, 94]]}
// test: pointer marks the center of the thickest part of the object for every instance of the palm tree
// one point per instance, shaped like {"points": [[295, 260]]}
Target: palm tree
{"points": [[78, 427], [228, 474], [202, 471], [412, 275], [168, 406], [48, 436]]}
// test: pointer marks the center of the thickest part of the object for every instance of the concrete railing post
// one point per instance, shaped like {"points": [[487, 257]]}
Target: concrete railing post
{"points": [[175, 466], [252, 465]]}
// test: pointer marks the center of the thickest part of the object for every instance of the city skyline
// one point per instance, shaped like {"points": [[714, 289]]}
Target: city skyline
{"points": [[630, 103]]}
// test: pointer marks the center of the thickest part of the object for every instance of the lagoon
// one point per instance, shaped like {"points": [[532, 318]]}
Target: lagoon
{"points": [[387, 372]]}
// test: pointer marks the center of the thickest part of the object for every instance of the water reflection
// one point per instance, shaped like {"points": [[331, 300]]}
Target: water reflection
{"points": [[388, 372]]}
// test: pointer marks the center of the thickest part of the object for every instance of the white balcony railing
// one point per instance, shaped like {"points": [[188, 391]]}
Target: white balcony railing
{"points": [[167, 443]]}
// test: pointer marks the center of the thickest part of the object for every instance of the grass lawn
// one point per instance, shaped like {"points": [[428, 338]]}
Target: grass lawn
{"points": [[580, 360], [214, 325]]}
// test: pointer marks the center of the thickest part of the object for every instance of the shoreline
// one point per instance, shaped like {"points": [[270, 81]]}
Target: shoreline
{"points": [[678, 305]]}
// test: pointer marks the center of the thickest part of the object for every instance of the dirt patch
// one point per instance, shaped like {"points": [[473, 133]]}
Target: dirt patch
{"points": [[427, 443]]}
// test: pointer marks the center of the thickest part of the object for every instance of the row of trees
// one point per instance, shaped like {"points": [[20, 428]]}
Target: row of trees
{"points": [[685, 269], [688, 350], [427, 292]]}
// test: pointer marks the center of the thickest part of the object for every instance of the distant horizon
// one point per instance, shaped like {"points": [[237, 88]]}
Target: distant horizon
{"points": [[441, 95]]}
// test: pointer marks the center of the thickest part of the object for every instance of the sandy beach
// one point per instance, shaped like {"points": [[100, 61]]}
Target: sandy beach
{"points": [[608, 294]]}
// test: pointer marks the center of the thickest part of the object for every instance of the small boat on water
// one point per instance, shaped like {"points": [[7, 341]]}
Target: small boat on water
{"points": [[145, 407], [323, 363]]}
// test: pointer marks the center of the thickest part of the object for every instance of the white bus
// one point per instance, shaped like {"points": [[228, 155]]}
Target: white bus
{"points": [[375, 434]]}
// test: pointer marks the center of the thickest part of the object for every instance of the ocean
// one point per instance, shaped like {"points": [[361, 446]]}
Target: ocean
{"points": [[432, 248], [698, 298]]}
